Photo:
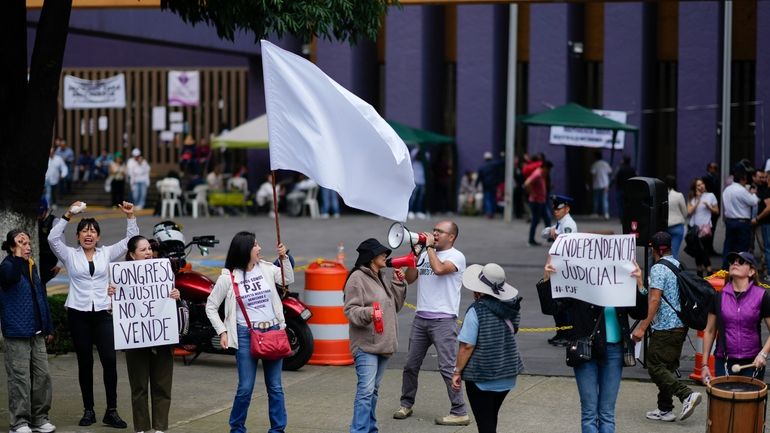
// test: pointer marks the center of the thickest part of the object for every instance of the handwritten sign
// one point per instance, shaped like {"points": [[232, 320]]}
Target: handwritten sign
{"points": [[594, 268], [143, 314]]}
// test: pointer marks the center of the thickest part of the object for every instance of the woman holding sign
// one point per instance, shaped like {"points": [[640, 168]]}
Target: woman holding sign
{"points": [[89, 306], [149, 364], [598, 378], [254, 280]]}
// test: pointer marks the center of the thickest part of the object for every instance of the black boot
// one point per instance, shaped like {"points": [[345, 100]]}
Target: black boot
{"points": [[89, 417], [112, 419]]}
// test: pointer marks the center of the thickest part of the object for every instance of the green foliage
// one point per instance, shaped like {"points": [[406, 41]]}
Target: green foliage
{"points": [[62, 341], [344, 20]]}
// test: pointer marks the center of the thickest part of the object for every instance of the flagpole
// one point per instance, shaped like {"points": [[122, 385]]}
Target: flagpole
{"points": [[277, 227]]}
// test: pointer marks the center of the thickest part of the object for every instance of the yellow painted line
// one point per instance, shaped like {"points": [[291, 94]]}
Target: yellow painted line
{"points": [[551, 329]]}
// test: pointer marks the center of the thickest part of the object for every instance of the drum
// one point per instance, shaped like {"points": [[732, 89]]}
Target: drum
{"points": [[737, 404]]}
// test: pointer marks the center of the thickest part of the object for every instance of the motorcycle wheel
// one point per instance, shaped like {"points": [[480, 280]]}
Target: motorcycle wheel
{"points": [[301, 341]]}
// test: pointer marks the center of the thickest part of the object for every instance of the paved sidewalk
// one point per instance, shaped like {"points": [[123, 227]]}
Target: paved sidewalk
{"points": [[320, 399]]}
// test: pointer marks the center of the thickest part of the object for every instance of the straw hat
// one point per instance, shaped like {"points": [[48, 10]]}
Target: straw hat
{"points": [[489, 280], [189, 139]]}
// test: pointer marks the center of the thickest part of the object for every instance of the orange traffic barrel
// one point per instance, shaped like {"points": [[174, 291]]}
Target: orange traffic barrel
{"points": [[324, 284], [717, 281]]}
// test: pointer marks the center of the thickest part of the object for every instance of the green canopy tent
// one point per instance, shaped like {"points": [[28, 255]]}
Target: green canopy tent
{"points": [[412, 135], [576, 116]]}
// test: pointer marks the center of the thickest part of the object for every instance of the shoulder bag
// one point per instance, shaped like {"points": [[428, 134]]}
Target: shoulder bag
{"points": [[269, 345], [580, 349]]}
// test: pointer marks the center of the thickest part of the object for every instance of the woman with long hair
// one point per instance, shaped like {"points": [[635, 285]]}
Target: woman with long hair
{"points": [[153, 365], [677, 216], [701, 206], [372, 302], [255, 280], [89, 308], [735, 319], [598, 379]]}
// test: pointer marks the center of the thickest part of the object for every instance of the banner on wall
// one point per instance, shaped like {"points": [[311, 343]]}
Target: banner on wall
{"points": [[588, 137], [80, 93], [183, 88]]}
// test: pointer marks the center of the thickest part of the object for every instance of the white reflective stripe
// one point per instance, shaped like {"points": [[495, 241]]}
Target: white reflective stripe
{"points": [[323, 298], [329, 332]]}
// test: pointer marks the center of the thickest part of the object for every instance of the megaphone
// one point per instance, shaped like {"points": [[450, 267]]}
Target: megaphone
{"points": [[407, 261], [397, 233]]}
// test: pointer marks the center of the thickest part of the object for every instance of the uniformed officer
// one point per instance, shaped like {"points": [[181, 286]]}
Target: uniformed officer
{"points": [[564, 224]]}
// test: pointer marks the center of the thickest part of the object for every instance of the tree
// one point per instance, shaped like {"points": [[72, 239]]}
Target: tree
{"points": [[29, 104]]}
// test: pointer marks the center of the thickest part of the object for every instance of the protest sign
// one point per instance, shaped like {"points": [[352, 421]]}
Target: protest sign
{"points": [[594, 268], [143, 314], [80, 93]]}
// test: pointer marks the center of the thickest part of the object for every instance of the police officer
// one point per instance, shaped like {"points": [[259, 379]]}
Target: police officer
{"points": [[560, 204]]}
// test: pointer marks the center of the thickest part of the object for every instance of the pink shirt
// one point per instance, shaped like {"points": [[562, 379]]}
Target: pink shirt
{"points": [[537, 189]]}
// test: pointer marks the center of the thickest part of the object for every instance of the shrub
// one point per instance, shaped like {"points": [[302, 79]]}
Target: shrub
{"points": [[62, 341]]}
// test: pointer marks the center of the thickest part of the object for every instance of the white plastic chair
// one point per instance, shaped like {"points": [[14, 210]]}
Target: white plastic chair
{"points": [[170, 197], [311, 202], [199, 200]]}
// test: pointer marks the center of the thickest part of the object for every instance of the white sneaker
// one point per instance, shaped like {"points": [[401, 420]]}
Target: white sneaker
{"points": [[421, 216], [689, 404], [21, 429], [324, 216], [660, 415], [410, 215], [44, 428], [336, 216]]}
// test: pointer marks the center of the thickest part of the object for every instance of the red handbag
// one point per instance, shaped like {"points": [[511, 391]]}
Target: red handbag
{"points": [[270, 345]]}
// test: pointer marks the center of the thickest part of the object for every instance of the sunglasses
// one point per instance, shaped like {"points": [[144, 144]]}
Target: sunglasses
{"points": [[739, 261]]}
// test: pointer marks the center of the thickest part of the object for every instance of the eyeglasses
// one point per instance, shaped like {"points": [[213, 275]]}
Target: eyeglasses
{"points": [[439, 231], [739, 261]]}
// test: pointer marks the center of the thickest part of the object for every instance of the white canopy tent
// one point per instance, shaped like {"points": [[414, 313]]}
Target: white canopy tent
{"points": [[250, 135]]}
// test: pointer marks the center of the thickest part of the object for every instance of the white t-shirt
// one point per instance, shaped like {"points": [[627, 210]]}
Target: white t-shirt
{"points": [[256, 297], [702, 213], [440, 293], [601, 172]]}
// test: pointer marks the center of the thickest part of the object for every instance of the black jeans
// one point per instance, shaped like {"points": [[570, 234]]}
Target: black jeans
{"points": [[89, 328], [485, 406], [738, 235]]}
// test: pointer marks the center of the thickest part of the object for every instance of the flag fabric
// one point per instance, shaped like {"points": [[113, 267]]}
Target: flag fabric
{"points": [[320, 129]]}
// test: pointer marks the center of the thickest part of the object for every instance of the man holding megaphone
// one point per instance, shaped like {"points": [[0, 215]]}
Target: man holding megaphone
{"points": [[439, 280]]}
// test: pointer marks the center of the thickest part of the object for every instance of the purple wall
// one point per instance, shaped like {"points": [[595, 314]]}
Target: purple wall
{"points": [[623, 86], [699, 84], [413, 66], [153, 24], [548, 78], [762, 113], [481, 82], [354, 68]]}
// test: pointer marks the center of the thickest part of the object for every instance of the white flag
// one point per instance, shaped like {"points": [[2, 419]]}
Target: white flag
{"points": [[319, 128]]}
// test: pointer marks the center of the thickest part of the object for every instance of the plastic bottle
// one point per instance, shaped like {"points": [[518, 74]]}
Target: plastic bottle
{"points": [[341, 253]]}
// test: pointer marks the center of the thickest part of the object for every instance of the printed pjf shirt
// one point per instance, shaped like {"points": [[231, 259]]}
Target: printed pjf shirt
{"points": [[256, 297]]}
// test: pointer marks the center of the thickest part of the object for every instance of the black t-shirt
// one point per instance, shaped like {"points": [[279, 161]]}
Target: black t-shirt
{"points": [[763, 192], [764, 309]]}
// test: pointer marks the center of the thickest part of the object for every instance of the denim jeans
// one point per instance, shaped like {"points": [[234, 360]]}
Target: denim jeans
{"points": [[677, 236], [330, 204], [601, 202], [247, 372], [140, 193], [737, 238], [598, 382], [369, 368], [490, 202], [416, 201], [538, 211]]}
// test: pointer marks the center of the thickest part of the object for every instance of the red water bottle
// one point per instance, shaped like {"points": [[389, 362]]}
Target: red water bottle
{"points": [[378, 326]]}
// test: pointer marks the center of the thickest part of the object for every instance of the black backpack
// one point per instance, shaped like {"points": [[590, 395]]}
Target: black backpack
{"points": [[695, 297]]}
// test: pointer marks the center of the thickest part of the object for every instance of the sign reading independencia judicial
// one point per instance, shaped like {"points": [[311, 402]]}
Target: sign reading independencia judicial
{"points": [[143, 314], [594, 268]]}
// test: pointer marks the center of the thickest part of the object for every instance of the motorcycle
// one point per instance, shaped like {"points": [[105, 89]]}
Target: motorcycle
{"points": [[195, 288]]}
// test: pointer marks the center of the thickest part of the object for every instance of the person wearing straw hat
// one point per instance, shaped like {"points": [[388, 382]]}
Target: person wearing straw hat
{"points": [[488, 359], [372, 303]]}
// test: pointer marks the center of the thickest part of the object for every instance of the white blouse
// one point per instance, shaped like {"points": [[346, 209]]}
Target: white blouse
{"points": [[86, 292]]}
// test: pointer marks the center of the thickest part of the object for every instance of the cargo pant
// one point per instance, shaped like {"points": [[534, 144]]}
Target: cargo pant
{"points": [[662, 360], [29, 382]]}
